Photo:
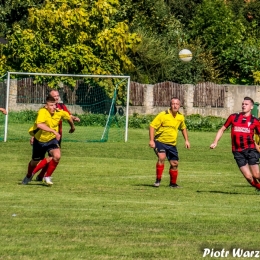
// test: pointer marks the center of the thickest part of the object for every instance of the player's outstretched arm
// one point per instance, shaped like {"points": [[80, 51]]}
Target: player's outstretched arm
{"points": [[217, 138], [72, 126], [74, 118]]}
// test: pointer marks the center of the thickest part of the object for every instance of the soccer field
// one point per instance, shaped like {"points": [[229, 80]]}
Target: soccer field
{"points": [[103, 205]]}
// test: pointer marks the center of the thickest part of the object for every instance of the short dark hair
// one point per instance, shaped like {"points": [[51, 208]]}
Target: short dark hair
{"points": [[50, 99], [248, 98]]}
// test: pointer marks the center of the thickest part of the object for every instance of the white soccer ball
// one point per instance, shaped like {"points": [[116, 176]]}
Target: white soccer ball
{"points": [[185, 55]]}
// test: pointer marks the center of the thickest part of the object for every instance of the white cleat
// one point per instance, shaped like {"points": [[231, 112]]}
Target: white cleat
{"points": [[47, 181]]}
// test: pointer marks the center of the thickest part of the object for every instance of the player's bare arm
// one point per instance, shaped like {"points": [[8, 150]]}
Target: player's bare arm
{"points": [[217, 138], [72, 126], [151, 135], [74, 118], [3, 111], [44, 127], [257, 147], [185, 136]]}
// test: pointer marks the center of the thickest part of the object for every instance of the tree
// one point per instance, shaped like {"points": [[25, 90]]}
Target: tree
{"points": [[15, 11], [74, 37], [183, 10], [216, 26]]}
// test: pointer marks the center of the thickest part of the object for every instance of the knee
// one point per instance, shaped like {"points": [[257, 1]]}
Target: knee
{"points": [[174, 165], [56, 158], [161, 161], [33, 163]]}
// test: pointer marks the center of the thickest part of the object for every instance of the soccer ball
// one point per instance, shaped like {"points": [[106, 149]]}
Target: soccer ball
{"points": [[185, 55]]}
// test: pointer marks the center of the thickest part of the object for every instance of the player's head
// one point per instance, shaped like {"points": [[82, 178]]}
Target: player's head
{"points": [[247, 104], [50, 104], [175, 104], [55, 94]]}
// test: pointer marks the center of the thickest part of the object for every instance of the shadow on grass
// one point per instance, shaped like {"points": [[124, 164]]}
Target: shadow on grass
{"points": [[34, 183], [146, 185], [227, 192]]}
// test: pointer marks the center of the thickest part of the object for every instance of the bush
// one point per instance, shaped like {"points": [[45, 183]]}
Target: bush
{"points": [[193, 122]]}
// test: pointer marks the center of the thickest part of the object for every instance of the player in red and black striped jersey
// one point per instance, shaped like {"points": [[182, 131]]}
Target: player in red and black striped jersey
{"points": [[243, 127]]}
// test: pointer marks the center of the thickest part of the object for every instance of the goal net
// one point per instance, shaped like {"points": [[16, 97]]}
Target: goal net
{"points": [[100, 101]]}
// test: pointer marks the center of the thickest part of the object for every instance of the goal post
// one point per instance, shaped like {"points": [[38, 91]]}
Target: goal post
{"points": [[104, 115]]}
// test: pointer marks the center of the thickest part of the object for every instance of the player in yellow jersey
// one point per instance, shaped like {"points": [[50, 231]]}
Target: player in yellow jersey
{"points": [[46, 139], [163, 133]]}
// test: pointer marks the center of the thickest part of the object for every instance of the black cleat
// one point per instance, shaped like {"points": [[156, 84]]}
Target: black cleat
{"points": [[39, 178], [174, 185]]}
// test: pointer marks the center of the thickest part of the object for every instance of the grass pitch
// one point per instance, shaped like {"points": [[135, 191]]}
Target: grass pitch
{"points": [[103, 205]]}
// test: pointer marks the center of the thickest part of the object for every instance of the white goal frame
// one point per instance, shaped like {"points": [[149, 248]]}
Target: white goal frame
{"points": [[66, 75]]}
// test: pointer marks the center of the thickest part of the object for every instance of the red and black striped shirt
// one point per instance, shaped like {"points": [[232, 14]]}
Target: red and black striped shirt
{"points": [[61, 106], [243, 129]]}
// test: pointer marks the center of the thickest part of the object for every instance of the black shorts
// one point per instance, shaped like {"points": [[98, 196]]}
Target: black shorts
{"points": [[248, 156], [40, 149], [170, 150]]}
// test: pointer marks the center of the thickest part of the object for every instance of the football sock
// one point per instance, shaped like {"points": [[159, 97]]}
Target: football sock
{"points": [[255, 184], [52, 166], [159, 171], [30, 170], [43, 171], [173, 176], [40, 165]]}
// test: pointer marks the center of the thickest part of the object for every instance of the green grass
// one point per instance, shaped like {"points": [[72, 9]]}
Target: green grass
{"points": [[103, 206]]}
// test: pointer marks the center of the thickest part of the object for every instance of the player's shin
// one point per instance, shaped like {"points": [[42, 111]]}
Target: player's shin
{"points": [[43, 171], [173, 176], [159, 171], [40, 165], [30, 170], [51, 168]]}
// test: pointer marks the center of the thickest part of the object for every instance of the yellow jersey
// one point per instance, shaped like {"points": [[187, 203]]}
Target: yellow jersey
{"points": [[166, 127], [52, 121]]}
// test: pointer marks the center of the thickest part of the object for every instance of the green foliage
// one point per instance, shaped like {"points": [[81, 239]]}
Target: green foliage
{"points": [[13, 11], [204, 124], [136, 121], [24, 116], [256, 76], [240, 61], [216, 25], [183, 10], [138, 38], [71, 37]]}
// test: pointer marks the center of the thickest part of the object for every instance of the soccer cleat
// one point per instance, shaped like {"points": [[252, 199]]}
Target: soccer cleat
{"points": [[26, 180], [39, 178], [47, 181], [174, 185], [156, 184]]}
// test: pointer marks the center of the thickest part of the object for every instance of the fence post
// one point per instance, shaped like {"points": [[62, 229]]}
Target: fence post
{"points": [[188, 99], [13, 95], [148, 99]]}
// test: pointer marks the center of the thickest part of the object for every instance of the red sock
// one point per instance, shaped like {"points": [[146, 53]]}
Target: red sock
{"points": [[30, 170], [255, 184], [52, 166], [40, 165], [43, 171], [159, 171], [173, 176]]}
